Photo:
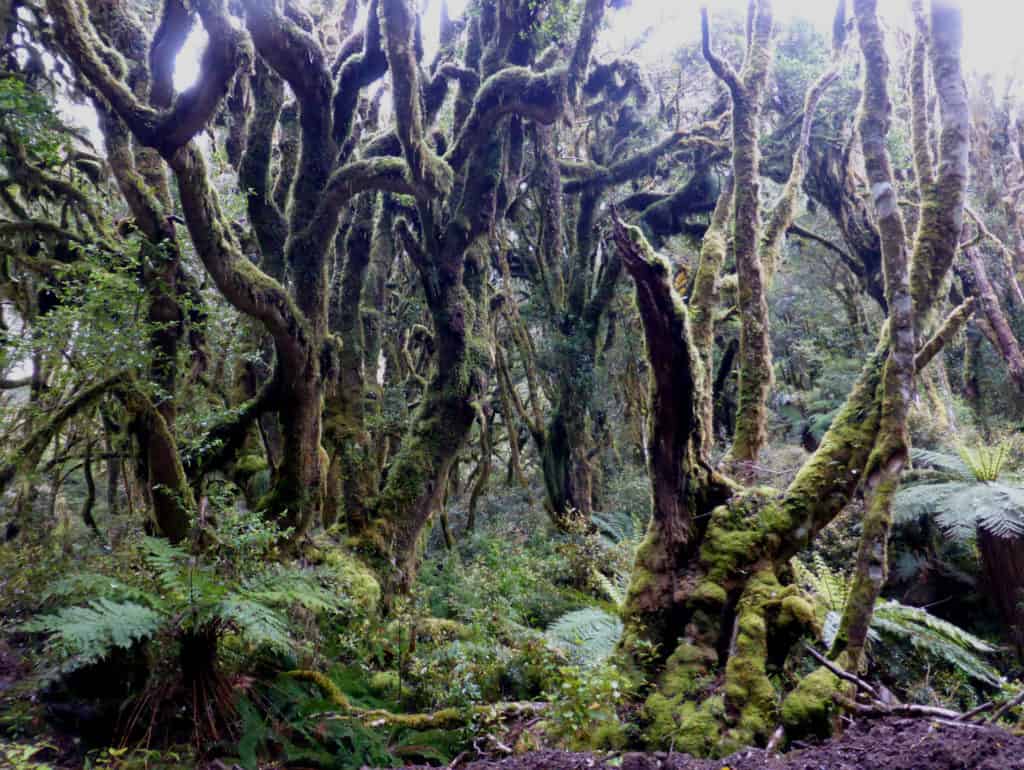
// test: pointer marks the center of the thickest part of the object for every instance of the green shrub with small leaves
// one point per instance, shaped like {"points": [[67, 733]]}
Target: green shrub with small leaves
{"points": [[584, 711]]}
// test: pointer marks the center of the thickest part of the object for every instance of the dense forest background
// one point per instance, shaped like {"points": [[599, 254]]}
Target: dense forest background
{"points": [[397, 395]]}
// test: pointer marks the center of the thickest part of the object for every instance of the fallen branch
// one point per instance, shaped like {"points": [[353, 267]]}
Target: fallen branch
{"points": [[878, 708], [977, 710], [841, 673], [1015, 701], [437, 720]]}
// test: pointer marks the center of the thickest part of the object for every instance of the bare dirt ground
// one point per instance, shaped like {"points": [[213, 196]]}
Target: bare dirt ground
{"points": [[891, 744]]}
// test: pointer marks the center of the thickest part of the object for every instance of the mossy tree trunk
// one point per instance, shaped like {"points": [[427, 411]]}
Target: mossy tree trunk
{"points": [[891, 450], [758, 250], [461, 199], [709, 592], [747, 91], [577, 284]]}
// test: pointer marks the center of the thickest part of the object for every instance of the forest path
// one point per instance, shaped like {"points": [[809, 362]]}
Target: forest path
{"points": [[890, 744]]}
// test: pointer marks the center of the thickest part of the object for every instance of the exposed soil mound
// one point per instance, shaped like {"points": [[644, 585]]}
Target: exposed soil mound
{"points": [[894, 744]]}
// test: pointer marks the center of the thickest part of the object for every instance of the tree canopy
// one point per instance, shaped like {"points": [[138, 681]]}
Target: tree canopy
{"points": [[391, 386]]}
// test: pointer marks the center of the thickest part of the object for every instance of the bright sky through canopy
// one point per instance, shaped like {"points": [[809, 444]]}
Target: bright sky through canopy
{"points": [[993, 29]]}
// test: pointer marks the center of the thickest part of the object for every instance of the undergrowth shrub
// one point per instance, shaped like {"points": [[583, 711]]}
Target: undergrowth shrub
{"points": [[196, 622]]}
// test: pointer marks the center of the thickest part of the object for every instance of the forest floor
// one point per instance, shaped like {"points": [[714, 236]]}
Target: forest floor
{"points": [[892, 744]]}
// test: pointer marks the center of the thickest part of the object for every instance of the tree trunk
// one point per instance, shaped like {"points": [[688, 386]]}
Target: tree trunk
{"points": [[1002, 559]]}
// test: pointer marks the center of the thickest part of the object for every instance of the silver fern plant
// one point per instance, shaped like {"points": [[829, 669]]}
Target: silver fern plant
{"points": [[965, 492], [897, 623], [188, 597], [587, 637]]}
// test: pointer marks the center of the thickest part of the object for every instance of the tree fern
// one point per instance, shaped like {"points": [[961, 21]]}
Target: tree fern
{"points": [[942, 462], [936, 638], [588, 636], [84, 635], [894, 622], [959, 507], [192, 597]]}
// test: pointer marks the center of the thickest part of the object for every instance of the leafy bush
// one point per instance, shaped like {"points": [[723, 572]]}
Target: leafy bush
{"points": [[584, 707]]}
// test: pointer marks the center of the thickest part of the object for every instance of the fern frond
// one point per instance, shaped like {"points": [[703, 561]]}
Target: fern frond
{"points": [[941, 461], [913, 501], [937, 638], [832, 587], [999, 509], [169, 565], [79, 586], [986, 462], [614, 526], [613, 590], [257, 623], [588, 636], [87, 634], [284, 587]]}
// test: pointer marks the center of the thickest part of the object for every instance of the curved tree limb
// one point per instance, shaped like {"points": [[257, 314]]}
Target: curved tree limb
{"points": [[518, 90], [170, 130]]}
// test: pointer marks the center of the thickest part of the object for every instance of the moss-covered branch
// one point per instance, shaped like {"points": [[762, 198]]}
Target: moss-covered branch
{"points": [[704, 298], [780, 219], [518, 90], [167, 131], [28, 454], [583, 176], [254, 177], [947, 330], [747, 92], [940, 223], [357, 71], [979, 285], [590, 25], [398, 27], [171, 33], [445, 719], [919, 122]]}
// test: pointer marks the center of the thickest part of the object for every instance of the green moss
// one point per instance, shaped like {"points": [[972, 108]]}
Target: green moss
{"points": [[748, 690], [709, 592], [363, 587], [808, 709], [385, 683], [672, 711], [685, 725], [249, 465], [688, 664], [799, 610], [330, 690]]}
